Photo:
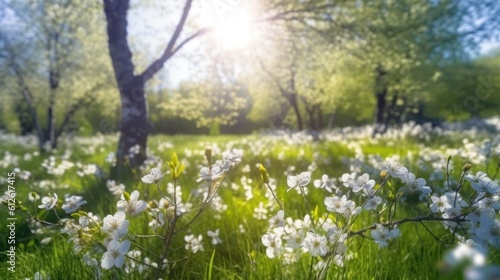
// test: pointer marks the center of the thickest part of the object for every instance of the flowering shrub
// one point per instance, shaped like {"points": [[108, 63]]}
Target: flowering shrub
{"points": [[326, 236], [108, 242]]}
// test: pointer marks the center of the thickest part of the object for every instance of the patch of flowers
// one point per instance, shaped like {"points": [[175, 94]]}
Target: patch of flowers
{"points": [[327, 235], [324, 232], [109, 242]]}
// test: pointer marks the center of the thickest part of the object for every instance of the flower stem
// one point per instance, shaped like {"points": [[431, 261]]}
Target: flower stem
{"points": [[275, 198]]}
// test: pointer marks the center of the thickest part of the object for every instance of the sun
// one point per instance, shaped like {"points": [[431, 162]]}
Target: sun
{"points": [[232, 26], [234, 32]]}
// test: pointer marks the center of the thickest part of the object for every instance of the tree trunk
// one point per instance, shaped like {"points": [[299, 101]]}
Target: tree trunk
{"points": [[295, 105], [320, 117], [134, 125], [331, 120], [50, 133], [402, 111], [310, 109], [391, 113], [380, 112], [381, 93]]}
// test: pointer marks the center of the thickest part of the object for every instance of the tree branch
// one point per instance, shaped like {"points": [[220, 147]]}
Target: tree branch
{"points": [[456, 219], [152, 69], [73, 109]]}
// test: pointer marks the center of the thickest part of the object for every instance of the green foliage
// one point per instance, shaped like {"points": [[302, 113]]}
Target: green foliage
{"points": [[241, 256], [207, 103], [466, 90], [324, 55], [62, 67]]}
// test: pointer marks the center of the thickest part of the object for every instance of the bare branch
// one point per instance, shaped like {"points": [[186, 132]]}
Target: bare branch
{"points": [[152, 69], [73, 109], [198, 33], [456, 219]]}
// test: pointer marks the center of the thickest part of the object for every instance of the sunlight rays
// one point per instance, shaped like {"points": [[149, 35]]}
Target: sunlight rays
{"points": [[233, 28]]}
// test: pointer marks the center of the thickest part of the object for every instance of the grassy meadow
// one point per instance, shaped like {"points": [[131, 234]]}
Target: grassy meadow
{"points": [[81, 167]]}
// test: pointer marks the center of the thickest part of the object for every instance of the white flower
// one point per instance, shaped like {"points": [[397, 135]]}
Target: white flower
{"points": [[116, 225], [234, 156], [215, 237], [316, 244], [439, 203], [41, 276], [114, 188], [193, 243], [455, 199], [335, 234], [48, 202], [88, 260], [487, 202], [260, 212], [362, 183], [296, 239], [482, 183], [72, 203], [395, 169], [241, 228], [489, 230], [372, 203], [133, 206], [300, 180], [493, 188], [158, 221], [339, 205], [134, 150], [416, 184], [114, 256], [84, 221], [290, 256], [450, 213], [111, 158], [346, 178], [381, 235], [153, 177], [278, 220], [325, 183], [273, 243], [302, 224], [466, 251], [210, 174]]}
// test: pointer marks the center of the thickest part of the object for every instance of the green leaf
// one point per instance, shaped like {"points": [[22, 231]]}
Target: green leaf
{"points": [[175, 160], [180, 169], [83, 213], [315, 213]]}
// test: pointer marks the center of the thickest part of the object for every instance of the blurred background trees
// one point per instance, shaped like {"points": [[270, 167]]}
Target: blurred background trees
{"points": [[53, 70], [241, 66]]}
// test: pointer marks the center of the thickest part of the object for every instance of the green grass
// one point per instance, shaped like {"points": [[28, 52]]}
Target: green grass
{"points": [[416, 255]]}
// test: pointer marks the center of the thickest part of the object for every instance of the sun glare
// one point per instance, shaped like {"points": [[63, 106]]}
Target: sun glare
{"points": [[234, 32], [232, 25]]}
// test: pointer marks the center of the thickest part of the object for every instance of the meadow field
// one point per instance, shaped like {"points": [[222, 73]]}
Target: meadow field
{"points": [[229, 225], [249, 139]]}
